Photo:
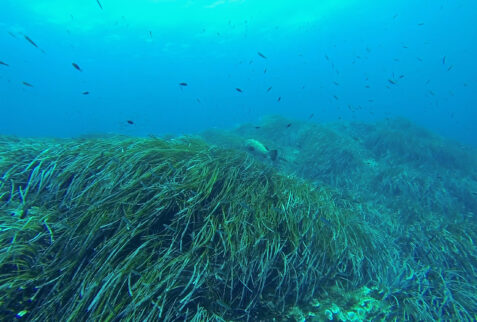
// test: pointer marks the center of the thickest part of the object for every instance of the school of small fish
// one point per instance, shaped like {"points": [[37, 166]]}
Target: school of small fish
{"points": [[392, 82]]}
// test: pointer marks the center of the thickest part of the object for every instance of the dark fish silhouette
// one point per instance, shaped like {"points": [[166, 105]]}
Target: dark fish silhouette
{"points": [[99, 4], [288, 125], [444, 60], [27, 84], [261, 55], [85, 93], [391, 81], [12, 34], [31, 41], [183, 84], [130, 122], [2, 63], [279, 99], [450, 67], [269, 89], [239, 90], [76, 66]]}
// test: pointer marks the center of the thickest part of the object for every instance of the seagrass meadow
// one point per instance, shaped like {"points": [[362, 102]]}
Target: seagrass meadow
{"points": [[415, 191], [347, 224], [148, 229]]}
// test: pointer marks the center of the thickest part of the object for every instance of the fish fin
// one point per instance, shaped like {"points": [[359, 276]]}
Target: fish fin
{"points": [[273, 155]]}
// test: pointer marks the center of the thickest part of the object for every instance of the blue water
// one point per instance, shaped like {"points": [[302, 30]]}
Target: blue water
{"points": [[134, 54]]}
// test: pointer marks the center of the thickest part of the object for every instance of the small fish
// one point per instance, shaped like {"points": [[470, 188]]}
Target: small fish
{"points": [[31, 41], [2, 63], [450, 67], [370, 101], [288, 125], [444, 60], [258, 127], [76, 66], [336, 83], [99, 4], [265, 71], [269, 89], [27, 84], [261, 55], [12, 34], [336, 97], [198, 100], [85, 93], [421, 24], [367, 86], [327, 58], [279, 99], [311, 116], [182, 84], [401, 76], [419, 58], [432, 93], [391, 81], [130, 122], [239, 90], [150, 34]]}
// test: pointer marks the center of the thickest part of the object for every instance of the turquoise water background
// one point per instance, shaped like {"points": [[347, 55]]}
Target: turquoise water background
{"points": [[337, 60]]}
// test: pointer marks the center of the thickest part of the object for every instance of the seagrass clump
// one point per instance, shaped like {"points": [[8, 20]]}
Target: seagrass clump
{"points": [[149, 229]]}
